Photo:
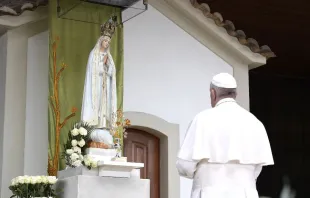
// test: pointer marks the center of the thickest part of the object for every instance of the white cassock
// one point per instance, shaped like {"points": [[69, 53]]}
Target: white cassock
{"points": [[223, 152]]}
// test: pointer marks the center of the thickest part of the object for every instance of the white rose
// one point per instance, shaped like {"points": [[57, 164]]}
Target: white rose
{"points": [[13, 182], [86, 162], [83, 131], [81, 157], [20, 180], [77, 163], [74, 157], [44, 179], [26, 179], [81, 143], [74, 142], [69, 151], [77, 149], [39, 179], [52, 179], [89, 161], [33, 180], [94, 164], [74, 132]]}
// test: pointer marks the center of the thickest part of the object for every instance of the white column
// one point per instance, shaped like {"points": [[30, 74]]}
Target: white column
{"points": [[36, 129], [241, 73], [14, 112], [15, 102], [3, 54]]}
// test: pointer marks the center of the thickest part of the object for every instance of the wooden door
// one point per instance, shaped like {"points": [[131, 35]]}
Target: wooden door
{"points": [[140, 146]]}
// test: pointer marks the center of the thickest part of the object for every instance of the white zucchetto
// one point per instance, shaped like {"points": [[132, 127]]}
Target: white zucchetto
{"points": [[224, 80]]}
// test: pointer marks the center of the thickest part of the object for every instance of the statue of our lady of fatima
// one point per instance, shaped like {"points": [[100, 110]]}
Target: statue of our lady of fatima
{"points": [[99, 105]]}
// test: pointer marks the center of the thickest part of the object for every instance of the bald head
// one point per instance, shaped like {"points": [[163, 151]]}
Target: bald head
{"points": [[222, 86]]}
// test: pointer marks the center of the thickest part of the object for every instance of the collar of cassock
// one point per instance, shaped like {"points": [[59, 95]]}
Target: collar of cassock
{"points": [[225, 100]]}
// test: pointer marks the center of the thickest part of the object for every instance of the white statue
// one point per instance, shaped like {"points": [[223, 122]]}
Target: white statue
{"points": [[99, 103]]}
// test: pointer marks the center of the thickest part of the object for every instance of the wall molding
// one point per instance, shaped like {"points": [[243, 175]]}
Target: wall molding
{"points": [[15, 101], [168, 133], [8, 22], [192, 20]]}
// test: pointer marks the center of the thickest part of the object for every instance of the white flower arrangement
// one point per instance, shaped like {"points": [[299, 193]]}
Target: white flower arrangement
{"points": [[33, 186], [90, 162], [74, 149]]}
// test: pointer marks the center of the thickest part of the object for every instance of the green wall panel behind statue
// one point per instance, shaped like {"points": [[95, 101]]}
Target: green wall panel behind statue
{"points": [[71, 42]]}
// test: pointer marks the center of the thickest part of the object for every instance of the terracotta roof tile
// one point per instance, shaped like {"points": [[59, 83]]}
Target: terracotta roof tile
{"points": [[17, 7], [231, 30]]}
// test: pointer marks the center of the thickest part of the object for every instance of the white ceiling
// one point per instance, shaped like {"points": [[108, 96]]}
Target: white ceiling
{"points": [[10, 22]]}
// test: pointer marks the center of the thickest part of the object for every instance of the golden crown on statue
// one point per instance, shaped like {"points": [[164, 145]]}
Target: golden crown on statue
{"points": [[109, 27]]}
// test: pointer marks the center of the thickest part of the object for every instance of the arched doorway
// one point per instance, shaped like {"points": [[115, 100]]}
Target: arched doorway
{"points": [[143, 147]]}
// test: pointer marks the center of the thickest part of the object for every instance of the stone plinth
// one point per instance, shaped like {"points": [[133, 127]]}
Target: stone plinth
{"points": [[83, 186], [82, 170], [117, 168], [101, 154], [105, 169]]}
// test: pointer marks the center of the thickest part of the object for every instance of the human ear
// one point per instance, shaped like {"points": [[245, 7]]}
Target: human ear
{"points": [[213, 94]]}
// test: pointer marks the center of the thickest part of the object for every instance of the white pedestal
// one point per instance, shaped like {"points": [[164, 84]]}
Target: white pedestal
{"points": [[99, 187], [117, 169], [101, 154], [105, 169], [82, 170]]}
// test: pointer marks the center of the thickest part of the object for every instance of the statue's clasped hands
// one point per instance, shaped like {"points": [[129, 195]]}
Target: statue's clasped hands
{"points": [[105, 59]]}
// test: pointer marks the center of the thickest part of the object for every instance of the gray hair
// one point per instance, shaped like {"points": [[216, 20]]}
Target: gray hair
{"points": [[224, 92]]}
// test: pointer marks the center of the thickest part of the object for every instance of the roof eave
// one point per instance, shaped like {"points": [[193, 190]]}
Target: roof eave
{"points": [[209, 29], [24, 18], [207, 32]]}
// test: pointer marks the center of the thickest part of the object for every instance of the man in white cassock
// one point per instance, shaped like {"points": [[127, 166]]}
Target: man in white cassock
{"points": [[225, 147]]}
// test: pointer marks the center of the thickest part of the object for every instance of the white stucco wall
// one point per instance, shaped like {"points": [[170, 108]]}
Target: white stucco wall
{"points": [[3, 49], [14, 114], [36, 125], [167, 72]]}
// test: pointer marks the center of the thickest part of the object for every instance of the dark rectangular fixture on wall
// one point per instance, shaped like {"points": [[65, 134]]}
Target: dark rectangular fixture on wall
{"points": [[117, 3]]}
